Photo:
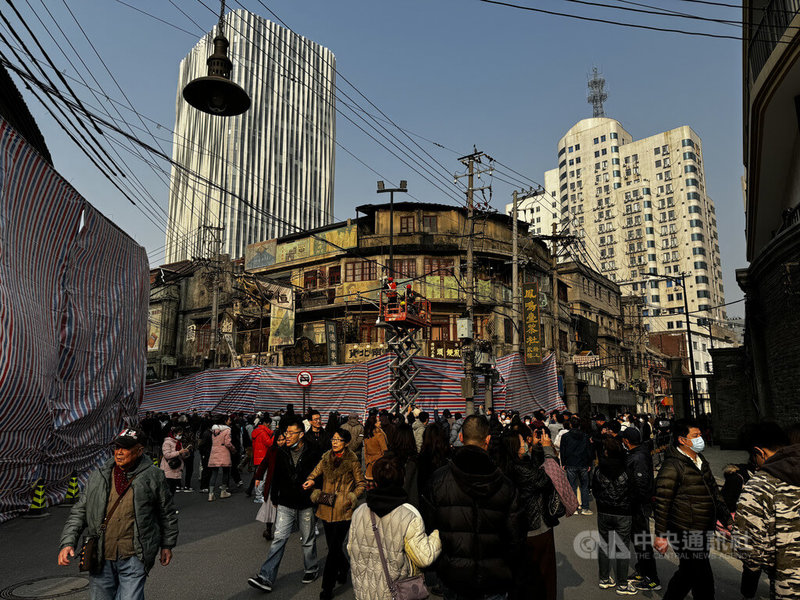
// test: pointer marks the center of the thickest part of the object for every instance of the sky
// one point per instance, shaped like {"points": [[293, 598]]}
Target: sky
{"points": [[452, 74]]}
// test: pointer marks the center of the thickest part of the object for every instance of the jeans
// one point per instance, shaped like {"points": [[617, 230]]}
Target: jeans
{"points": [[219, 476], [284, 523], [188, 469], [121, 579], [579, 476], [336, 562], [615, 536]]}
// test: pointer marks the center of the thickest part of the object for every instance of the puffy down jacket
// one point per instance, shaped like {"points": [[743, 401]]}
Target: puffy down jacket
{"points": [[612, 488], [687, 498]]}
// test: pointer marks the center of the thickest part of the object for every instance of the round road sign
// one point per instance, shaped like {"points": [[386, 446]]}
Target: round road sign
{"points": [[304, 378]]}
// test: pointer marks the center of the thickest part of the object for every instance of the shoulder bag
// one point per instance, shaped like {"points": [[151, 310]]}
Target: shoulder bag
{"points": [[90, 561], [410, 588]]}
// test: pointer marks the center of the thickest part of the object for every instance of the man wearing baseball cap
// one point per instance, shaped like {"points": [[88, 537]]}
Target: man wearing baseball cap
{"points": [[128, 507]]}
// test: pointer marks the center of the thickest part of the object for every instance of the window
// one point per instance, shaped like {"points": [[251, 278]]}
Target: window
{"points": [[703, 294], [577, 147], [695, 223], [686, 143], [596, 140], [613, 135], [439, 266], [614, 161], [670, 325], [699, 251], [655, 299], [613, 149], [689, 156], [689, 169], [693, 196], [310, 279], [334, 275], [697, 237], [654, 285], [407, 224], [362, 270], [649, 230], [571, 148], [694, 209], [429, 223], [405, 267], [701, 279], [692, 182], [602, 138], [700, 265]]}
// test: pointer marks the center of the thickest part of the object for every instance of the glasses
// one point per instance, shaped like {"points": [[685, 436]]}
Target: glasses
{"points": [[292, 433], [337, 440]]}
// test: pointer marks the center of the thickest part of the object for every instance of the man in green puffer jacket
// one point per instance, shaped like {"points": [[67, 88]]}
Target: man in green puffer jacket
{"points": [[687, 505], [143, 522]]}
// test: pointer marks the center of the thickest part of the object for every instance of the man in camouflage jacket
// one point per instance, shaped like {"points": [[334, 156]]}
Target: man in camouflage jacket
{"points": [[767, 524]]}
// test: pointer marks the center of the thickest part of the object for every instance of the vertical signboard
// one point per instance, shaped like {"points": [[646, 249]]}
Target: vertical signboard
{"points": [[532, 328], [333, 346]]}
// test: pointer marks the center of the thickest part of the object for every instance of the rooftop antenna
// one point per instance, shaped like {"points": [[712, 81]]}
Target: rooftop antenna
{"points": [[597, 93]]}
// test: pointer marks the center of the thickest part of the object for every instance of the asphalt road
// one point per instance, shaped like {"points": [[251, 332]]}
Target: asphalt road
{"points": [[220, 546]]}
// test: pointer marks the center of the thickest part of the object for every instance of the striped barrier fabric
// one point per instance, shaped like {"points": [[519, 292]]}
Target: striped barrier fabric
{"points": [[73, 313], [353, 388]]}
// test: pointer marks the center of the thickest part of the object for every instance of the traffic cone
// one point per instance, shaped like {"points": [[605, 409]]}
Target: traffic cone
{"points": [[38, 506], [73, 491]]}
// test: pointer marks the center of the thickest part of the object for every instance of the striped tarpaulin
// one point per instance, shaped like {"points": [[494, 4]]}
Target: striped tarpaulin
{"points": [[529, 388], [353, 388], [73, 314]]}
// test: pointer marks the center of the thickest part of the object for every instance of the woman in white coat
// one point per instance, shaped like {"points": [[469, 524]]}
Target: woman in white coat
{"points": [[406, 546]]}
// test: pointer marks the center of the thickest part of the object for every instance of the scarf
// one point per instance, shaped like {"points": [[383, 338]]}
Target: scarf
{"points": [[561, 483], [121, 481], [337, 458]]}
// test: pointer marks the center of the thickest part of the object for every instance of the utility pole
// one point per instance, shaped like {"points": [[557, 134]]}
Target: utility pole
{"points": [[215, 278], [515, 277], [556, 308], [695, 397], [382, 189], [468, 345]]}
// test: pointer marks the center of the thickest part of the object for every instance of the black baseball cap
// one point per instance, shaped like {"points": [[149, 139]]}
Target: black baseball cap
{"points": [[129, 438], [632, 434]]}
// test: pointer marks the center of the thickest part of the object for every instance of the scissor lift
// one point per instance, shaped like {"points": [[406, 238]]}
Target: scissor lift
{"points": [[404, 318]]}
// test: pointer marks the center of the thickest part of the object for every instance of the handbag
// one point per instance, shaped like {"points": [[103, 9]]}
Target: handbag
{"points": [[174, 463], [327, 499], [409, 588], [90, 561], [555, 506]]}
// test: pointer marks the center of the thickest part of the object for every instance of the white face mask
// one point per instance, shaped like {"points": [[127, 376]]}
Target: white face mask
{"points": [[178, 436]]}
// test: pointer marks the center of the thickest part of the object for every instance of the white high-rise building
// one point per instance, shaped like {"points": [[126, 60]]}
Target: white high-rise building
{"points": [[275, 161], [641, 208], [541, 209]]}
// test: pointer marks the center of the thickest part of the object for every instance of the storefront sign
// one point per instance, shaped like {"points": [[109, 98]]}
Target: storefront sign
{"points": [[532, 328], [444, 349], [359, 353]]}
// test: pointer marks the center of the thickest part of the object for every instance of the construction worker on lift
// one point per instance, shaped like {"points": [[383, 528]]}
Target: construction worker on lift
{"points": [[391, 295], [411, 298]]}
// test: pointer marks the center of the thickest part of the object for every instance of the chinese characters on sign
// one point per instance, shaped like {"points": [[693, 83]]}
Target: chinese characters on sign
{"points": [[532, 329]]}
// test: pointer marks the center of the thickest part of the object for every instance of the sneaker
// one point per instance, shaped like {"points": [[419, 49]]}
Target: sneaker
{"points": [[260, 583], [626, 590], [586, 511], [607, 583], [211, 497], [636, 577], [204, 491], [224, 494], [188, 489], [647, 584], [309, 577]]}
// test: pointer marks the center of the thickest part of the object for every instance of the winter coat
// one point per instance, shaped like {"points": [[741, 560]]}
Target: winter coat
{"points": [[156, 520], [320, 438], [405, 544], [267, 468], [169, 451], [288, 478], [639, 465], [612, 488], [221, 447], [374, 448], [419, 430], [576, 449], [356, 430], [262, 438], [345, 480], [686, 498], [533, 486], [474, 507], [455, 429], [767, 528], [736, 476]]}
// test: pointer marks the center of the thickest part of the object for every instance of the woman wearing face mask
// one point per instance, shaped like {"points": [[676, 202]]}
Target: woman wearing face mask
{"points": [[173, 454], [342, 484], [524, 465]]}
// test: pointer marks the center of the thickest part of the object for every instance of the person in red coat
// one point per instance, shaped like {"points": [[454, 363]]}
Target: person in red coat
{"points": [[263, 477], [262, 438]]}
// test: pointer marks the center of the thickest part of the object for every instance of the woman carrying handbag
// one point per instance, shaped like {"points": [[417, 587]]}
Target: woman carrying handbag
{"points": [[387, 544], [342, 484]]}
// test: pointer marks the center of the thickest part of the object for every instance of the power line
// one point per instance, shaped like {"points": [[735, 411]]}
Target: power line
{"points": [[611, 22]]}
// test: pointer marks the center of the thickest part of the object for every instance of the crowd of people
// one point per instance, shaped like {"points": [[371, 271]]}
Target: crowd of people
{"points": [[461, 507]]}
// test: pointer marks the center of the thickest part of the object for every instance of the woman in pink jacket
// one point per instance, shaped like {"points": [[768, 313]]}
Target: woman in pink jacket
{"points": [[220, 459], [172, 451]]}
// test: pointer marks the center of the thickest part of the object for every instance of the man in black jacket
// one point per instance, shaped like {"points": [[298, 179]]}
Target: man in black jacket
{"points": [[688, 504], [475, 509], [577, 455], [293, 465], [639, 465]]}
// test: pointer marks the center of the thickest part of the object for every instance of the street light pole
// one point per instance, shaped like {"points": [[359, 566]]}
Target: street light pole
{"points": [[695, 397], [382, 189]]}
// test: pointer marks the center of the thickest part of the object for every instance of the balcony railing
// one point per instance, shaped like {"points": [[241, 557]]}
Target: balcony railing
{"points": [[767, 34]]}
